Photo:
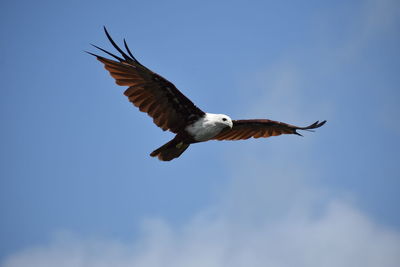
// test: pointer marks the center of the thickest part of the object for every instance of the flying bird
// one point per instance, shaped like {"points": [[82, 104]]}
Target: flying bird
{"points": [[173, 111]]}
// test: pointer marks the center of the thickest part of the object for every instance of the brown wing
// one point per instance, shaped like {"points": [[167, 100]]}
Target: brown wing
{"points": [[244, 129], [150, 92]]}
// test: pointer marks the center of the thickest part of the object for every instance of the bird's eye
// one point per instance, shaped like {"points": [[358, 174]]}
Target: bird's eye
{"points": [[224, 119]]}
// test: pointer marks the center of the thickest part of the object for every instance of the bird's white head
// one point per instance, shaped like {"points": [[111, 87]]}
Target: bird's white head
{"points": [[220, 120]]}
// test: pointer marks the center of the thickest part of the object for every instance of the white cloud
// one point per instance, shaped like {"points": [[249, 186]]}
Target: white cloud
{"points": [[269, 215], [338, 236]]}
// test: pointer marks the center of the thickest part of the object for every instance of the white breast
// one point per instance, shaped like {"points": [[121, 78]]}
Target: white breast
{"points": [[207, 127]]}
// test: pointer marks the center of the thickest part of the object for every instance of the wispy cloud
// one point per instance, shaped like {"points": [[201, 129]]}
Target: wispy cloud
{"points": [[258, 232], [380, 16]]}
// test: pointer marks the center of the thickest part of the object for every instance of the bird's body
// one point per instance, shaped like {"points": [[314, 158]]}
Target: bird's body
{"points": [[208, 126], [173, 111]]}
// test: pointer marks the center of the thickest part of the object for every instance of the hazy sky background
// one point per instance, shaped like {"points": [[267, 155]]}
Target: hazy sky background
{"points": [[77, 187]]}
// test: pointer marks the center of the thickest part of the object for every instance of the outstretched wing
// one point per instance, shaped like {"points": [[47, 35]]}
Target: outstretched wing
{"points": [[244, 129], [150, 92]]}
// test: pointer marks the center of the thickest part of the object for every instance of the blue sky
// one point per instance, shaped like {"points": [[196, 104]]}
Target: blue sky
{"points": [[77, 185]]}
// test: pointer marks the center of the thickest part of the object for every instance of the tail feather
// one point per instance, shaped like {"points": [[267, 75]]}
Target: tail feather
{"points": [[170, 150]]}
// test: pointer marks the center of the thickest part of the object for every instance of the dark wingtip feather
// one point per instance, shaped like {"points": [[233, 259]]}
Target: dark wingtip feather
{"points": [[315, 125], [309, 128], [111, 54], [295, 132], [90, 53], [129, 51], [322, 123], [126, 57]]}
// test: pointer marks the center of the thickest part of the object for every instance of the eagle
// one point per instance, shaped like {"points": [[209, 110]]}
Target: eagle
{"points": [[173, 111]]}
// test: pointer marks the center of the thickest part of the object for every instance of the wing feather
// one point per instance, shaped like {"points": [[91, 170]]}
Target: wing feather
{"points": [[246, 134], [150, 92], [245, 129]]}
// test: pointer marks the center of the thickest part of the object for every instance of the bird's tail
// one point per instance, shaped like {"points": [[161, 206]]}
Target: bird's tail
{"points": [[170, 150]]}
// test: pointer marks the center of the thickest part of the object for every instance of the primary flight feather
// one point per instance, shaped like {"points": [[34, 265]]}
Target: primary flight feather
{"points": [[173, 111]]}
